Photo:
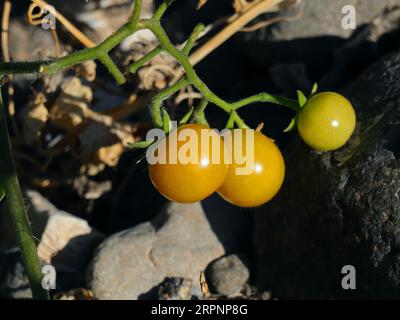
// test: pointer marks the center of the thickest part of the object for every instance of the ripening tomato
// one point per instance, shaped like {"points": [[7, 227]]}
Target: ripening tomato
{"points": [[251, 188], [193, 166], [327, 121]]}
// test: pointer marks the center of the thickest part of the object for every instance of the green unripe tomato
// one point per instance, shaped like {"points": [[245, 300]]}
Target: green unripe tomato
{"points": [[327, 121]]}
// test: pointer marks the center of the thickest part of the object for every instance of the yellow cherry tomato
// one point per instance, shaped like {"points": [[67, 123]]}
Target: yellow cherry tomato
{"points": [[194, 166], [327, 121], [246, 188]]}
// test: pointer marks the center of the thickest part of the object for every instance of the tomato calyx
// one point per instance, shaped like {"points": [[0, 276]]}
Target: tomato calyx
{"points": [[302, 101]]}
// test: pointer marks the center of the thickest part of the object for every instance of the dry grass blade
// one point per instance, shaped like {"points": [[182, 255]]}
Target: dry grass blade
{"points": [[203, 285], [81, 37], [190, 96], [36, 19], [265, 23], [201, 3], [5, 23], [242, 20]]}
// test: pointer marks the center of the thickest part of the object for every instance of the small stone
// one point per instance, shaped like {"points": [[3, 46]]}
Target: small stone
{"points": [[228, 275], [13, 282], [178, 243], [65, 241], [175, 289]]}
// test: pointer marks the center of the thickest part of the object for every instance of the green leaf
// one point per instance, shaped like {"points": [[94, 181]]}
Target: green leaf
{"points": [[301, 98], [314, 89], [2, 193], [187, 116], [141, 144], [291, 126], [231, 121], [167, 125]]}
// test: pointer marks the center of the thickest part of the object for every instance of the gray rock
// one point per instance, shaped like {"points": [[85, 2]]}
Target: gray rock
{"points": [[324, 18], [228, 275], [315, 40], [175, 289], [319, 18], [340, 208], [232, 225], [65, 241], [13, 282], [364, 48], [178, 243], [29, 42]]}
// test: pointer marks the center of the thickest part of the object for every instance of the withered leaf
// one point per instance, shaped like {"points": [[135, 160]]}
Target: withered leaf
{"points": [[70, 107], [35, 118]]}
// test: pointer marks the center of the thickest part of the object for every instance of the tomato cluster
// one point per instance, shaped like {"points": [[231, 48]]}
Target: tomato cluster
{"points": [[194, 181], [326, 122]]}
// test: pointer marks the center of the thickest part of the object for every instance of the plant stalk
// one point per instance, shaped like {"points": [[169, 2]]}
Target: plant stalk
{"points": [[16, 207]]}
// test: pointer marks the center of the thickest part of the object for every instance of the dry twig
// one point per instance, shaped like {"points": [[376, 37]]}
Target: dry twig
{"points": [[80, 36], [5, 23], [256, 8]]}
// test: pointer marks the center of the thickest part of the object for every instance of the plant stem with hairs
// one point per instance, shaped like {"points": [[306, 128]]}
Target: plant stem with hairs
{"points": [[16, 207]]}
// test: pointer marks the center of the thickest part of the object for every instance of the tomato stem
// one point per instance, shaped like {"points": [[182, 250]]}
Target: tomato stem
{"points": [[16, 207], [99, 52], [102, 50], [145, 59], [266, 97], [192, 39], [156, 102], [199, 115]]}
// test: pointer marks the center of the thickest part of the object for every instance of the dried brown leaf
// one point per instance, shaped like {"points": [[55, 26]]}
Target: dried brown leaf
{"points": [[70, 107], [35, 118], [201, 3], [91, 189], [87, 70], [93, 169], [75, 294], [203, 285], [159, 72], [103, 142], [110, 155]]}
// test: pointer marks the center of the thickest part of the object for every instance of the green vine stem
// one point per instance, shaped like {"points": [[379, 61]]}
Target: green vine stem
{"points": [[16, 207], [101, 53], [192, 39], [184, 120], [166, 44], [192, 78], [156, 102], [137, 64], [199, 115], [231, 122], [265, 97]]}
